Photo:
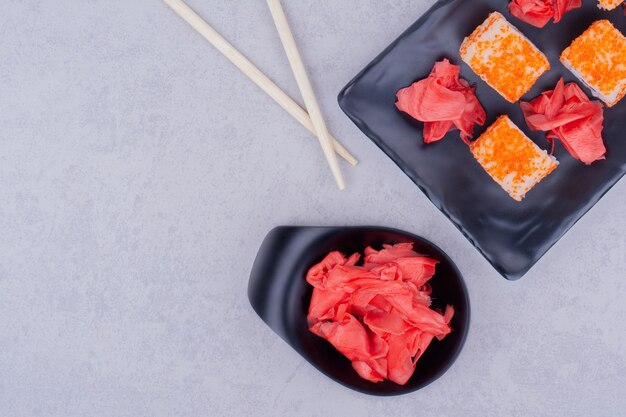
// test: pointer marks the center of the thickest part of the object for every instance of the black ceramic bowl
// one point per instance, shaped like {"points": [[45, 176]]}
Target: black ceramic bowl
{"points": [[280, 295]]}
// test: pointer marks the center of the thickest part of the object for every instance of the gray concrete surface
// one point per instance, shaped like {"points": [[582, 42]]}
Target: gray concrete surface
{"points": [[139, 173]]}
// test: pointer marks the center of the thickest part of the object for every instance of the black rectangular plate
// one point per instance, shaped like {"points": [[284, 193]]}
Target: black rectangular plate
{"points": [[511, 235]]}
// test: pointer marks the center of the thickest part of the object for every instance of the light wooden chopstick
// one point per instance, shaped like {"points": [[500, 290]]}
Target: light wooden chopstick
{"points": [[249, 69], [306, 89]]}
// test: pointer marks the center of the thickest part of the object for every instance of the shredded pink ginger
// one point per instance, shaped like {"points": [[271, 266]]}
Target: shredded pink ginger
{"points": [[443, 101], [539, 12], [567, 114], [378, 315]]}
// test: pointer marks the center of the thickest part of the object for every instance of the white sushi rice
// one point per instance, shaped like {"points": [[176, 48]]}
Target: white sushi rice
{"points": [[609, 4], [614, 96], [514, 184], [610, 99], [542, 163], [499, 24]]}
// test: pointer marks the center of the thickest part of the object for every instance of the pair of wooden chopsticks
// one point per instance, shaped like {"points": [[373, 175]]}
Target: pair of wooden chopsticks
{"points": [[312, 120]]}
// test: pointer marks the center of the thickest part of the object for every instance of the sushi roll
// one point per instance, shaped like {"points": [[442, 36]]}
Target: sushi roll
{"points": [[609, 4], [503, 57], [598, 59], [514, 161]]}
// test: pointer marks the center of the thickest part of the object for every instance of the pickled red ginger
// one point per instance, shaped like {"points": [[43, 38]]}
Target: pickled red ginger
{"points": [[567, 114], [539, 12], [443, 101], [377, 314]]}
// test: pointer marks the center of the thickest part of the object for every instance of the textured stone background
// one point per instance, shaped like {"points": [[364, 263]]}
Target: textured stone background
{"points": [[139, 173]]}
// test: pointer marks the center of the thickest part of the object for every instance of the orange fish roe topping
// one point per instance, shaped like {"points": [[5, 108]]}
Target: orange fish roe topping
{"points": [[511, 158], [609, 4], [599, 56], [503, 57]]}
